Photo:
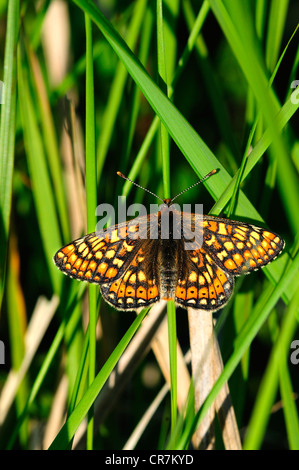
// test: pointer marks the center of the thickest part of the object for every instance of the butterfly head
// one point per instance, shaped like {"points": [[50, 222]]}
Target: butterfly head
{"points": [[168, 202]]}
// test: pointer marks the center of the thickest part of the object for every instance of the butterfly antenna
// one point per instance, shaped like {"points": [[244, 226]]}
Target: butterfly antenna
{"points": [[195, 184], [138, 185]]}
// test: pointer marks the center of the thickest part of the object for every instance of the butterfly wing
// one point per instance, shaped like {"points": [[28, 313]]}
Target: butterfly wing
{"points": [[201, 282], [229, 248], [139, 285], [237, 247], [103, 256], [95, 258], [121, 259]]}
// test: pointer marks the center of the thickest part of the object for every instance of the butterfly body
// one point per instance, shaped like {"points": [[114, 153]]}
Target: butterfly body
{"points": [[138, 263]]}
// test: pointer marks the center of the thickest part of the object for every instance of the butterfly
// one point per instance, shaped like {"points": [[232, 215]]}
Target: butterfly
{"points": [[135, 270]]}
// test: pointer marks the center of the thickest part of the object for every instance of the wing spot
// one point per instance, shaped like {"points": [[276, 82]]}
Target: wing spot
{"points": [[229, 246], [230, 264], [98, 255], [81, 247], [112, 272], [193, 276], [222, 229], [67, 249], [110, 254], [127, 275], [102, 268], [238, 259], [211, 240], [85, 252], [141, 276], [222, 255], [114, 236], [118, 262]]}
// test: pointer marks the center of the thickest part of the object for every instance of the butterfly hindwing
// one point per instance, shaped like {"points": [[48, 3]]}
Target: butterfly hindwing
{"points": [[201, 282], [139, 286]]}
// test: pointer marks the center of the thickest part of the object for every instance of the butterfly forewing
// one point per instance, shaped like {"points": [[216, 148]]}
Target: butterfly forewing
{"points": [[237, 247], [100, 257]]}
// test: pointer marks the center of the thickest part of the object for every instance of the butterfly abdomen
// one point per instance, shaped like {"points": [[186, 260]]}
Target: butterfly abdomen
{"points": [[168, 270]]}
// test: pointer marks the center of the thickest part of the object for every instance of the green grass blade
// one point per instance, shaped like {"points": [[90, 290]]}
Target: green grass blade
{"points": [[91, 201], [7, 132], [50, 143], [282, 118], [289, 407], [117, 88], [172, 339], [69, 428], [267, 393], [210, 79], [42, 191], [278, 12], [164, 138]]}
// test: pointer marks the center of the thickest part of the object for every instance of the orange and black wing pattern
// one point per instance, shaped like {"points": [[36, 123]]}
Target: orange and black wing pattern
{"points": [[96, 259], [135, 271], [201, 282], [139, 286], [237, 247], [229, 248], [122, 263]]}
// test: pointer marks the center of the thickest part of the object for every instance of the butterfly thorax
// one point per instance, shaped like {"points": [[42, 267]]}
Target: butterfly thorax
{"points": [[168, 260]]}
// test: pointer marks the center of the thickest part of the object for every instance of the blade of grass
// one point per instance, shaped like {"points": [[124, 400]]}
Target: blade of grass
{"points": [[69, 428], [251, 134], [276, 24], [71, 323], [289, 407], [267, 393], [42, 191], [50, 140], [211, 81], [91, 202], [117, 88], [172, 341], [260, 17], [282, 118], [7, 131], [185, 419], [17, 327], [145, 43], [164, 138]]}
